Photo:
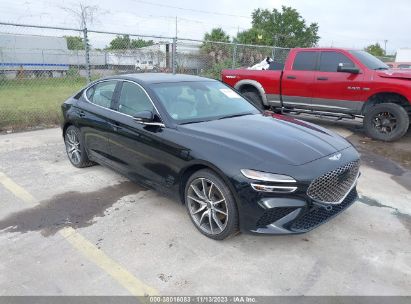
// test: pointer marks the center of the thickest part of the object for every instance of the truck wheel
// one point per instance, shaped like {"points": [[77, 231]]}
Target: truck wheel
{"points": [[255, 98], [386, 122]]}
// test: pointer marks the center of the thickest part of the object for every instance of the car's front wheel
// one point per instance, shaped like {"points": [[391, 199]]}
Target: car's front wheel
{"points": [[211, 205], [75, 148]]}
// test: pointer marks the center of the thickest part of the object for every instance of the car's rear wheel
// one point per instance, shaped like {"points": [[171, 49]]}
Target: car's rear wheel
{"points": [[75, 148], [211, 205], [386, 121]]}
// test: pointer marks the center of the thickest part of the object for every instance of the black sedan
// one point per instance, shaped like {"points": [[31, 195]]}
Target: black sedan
{"points": [[234, 167]]}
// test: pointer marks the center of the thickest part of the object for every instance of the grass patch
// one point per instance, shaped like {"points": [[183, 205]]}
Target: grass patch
{"points": [[29, 103]]}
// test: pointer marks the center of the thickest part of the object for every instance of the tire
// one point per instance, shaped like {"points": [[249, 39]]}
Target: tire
{"points": [[213, 210], [386, 122], [75, 149], [255, 98]]}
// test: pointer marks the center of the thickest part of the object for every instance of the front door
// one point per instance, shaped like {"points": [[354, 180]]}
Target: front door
{"points": [[137, 149], [337, 91]]}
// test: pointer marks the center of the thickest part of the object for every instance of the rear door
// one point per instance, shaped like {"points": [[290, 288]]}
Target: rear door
{"points": [[336, 91], [298, 80], [94, 112]]}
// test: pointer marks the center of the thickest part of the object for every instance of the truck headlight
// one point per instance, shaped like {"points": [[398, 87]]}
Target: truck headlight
{"points": [[267, 177]]}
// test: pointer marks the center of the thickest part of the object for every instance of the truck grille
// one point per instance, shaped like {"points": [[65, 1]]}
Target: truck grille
{"points": [[333, 186]]}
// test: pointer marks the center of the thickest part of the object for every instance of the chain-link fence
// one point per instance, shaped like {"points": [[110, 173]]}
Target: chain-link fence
{"points": [[42, 66]]}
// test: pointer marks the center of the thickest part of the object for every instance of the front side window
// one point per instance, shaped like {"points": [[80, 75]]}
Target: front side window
{"points": [[133, 100], [330, 61], [305, 61], [102, 93], [188, 102], [369, 60]]}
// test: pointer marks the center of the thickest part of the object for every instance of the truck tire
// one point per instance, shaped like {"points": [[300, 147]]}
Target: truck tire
{"points": [[255, 98], [386, 121]]}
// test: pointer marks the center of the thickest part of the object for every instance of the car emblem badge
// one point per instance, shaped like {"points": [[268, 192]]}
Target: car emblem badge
{"points": [[335, 157]]}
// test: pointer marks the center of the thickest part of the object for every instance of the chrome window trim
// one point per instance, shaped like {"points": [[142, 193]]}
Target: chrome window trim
{"points": [[160, 124]]}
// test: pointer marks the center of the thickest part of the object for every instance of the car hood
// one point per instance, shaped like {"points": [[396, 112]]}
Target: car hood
{"points": [[277, 138], [395, 74]]}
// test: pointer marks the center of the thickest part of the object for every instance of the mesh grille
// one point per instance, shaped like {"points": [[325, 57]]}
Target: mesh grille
{"points": [[272, 215], [318, 215], [331, 187]]}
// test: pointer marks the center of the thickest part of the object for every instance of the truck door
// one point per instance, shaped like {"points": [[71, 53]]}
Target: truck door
{"points": [[337, 91], [298, 80]]}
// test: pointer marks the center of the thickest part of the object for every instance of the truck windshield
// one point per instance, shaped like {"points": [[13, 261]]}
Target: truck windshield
{"points": [[369, 60]]}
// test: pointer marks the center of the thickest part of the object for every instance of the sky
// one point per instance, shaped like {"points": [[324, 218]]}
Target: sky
{"points": [[342, 23]]}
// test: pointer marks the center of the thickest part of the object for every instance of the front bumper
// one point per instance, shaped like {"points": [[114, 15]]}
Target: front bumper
{"points": [[275, 213], [299, 219]]}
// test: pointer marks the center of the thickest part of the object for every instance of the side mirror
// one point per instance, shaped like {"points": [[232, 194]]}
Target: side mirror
{"points": [[344, 69], [144, 117], [147, 118]]}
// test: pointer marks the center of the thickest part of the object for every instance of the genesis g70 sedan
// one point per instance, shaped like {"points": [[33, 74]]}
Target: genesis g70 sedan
{"points": [[234, 167]]}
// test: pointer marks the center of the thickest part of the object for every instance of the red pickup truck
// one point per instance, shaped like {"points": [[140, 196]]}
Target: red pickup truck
{"points": [[332, 82]]}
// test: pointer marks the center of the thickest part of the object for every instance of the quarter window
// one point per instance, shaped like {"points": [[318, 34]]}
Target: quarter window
{"points": [[329, 61], [133, 99], [102, 93], [305, 61]]}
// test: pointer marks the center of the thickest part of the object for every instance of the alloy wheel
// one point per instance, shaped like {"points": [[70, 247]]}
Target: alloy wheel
{"points": [[73, 147], [207, 206], [385, 122]]}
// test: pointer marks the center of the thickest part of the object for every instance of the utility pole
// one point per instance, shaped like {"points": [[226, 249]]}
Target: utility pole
{"points": [[385, 47], [176, 26]]}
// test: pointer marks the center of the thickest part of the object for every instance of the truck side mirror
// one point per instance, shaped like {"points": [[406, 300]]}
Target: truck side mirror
{"points": [[345, 69]]}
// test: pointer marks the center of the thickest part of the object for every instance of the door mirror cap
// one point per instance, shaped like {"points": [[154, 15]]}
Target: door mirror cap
{"points": [[144, 116], [147, 118], [344, 69]]}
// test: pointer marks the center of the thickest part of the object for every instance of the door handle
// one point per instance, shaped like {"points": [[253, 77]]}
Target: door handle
{"points": [[322, 78], [291, 77]]}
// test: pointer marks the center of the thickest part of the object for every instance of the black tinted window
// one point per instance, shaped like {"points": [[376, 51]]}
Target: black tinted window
{"points": [[329, 61], [305, 61], [102, 93], [133, 99]]}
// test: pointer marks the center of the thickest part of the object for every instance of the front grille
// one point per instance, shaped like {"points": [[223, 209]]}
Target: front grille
{"points": [[318, 215], [272, 215], [331, 187]]}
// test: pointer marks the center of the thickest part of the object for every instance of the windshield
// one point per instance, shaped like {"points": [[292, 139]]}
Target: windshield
{"points": [[369, 60], [189, 102]]}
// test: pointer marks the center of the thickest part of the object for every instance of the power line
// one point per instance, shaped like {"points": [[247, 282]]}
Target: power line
{"points": [[191, 9]]}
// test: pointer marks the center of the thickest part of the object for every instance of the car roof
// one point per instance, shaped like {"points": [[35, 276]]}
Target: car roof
{"points": [[150, 78]]}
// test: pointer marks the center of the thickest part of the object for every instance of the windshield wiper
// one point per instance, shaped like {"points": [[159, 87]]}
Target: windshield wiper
{"points": [[380, 68], [192, 122], [236, 115]]}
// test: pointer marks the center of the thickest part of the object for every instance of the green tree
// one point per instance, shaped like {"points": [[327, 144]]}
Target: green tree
{"points": [[216, 52], [124, 42], [139, 43], [74, 42], [217, 34], [375, 49], [285, 28]]}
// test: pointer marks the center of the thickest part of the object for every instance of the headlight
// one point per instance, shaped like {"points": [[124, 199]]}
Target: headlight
{"points": [[267, 177]]}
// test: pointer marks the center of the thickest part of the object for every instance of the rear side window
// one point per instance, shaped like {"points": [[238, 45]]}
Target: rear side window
{"points": [[329, 61], [305, 61], [102, 93]]}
